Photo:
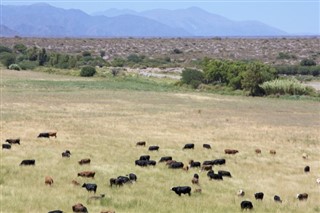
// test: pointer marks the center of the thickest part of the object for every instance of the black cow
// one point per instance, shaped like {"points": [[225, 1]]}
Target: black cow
{"points": [[176, 165], [66, 154], [141, 163], [259, 195], [90, 187], [28, 162], [44, 135], [153, 148], [224, 173], [56, 211], [165, 159], [207, 162], [144, 157], [214, 176], [182, 190], [151, 162], [133, 177], [206, 146], [194, 164], [6, 146], [307, 169], [124, 179], [303, 196], [219, 161], [13, 141], [277, 198], [188, 146], [246, 205]]}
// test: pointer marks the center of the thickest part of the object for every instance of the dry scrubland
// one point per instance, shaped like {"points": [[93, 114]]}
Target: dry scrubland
{"points": [[104, 125]]}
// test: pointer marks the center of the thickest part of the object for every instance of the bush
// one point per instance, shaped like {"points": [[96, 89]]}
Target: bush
{"points": [[7, 58], [28, 65], [87, 71], [177, 51], [20, 48], [14, 67], [308, 62], [5, 49], [192, 77]]}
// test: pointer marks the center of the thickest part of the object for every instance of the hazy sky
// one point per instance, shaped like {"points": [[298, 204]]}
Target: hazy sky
{"points": [[292, 16]]}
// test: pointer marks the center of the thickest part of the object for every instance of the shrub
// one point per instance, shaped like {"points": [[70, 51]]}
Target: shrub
{"points": [[177, 51], [14, 67], [20, 48], [308, 62], [5, 49], [87, 71], [28, 65], [86, 53], [192, 77], [283, 55], [7, 58]]}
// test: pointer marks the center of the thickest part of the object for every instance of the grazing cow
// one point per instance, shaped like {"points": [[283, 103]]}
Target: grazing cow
{"points": [[47, 134], [259, 195], [48, 180], [240, 193], [13, 141], [124, 179], [165, 159], [151, 162], [277, 198], [258, 151], [221, 161], [84, 161], [153, 148], [188, 146], [141, 163], [90, 187], [206, 146], [246, 205], [213, 176], [176, 165], [144, 157], [207, 162], [182, 190], [305, 156], [132, 177], [96, 197], [74, 182], [318, 180], [194, 163], [28, 162], [108, 211], [303, 196], [231, 151], [119, 181], [88, 174], [169, 162], [79, 208], [273, 152], [307, 169], [185, 168], [206, 167], [6, 146], [52, 134], [55, 211], [141, 143], [66, 154], [195, 179], [224, 173]]}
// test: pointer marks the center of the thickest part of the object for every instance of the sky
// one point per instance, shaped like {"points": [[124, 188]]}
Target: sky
{"points": [[292, 16]]}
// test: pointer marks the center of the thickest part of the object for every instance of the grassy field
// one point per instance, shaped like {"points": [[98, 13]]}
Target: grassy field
{"points": [[103, 119]]}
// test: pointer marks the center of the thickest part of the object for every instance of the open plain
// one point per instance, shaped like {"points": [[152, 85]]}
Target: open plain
{"points": [[102, 119]]}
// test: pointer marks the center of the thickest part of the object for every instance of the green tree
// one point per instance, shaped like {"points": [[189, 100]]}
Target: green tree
{"points": [[5, 49], [215, 71], [7, 58], [87, 71], [192, 77], [42, 56], [20, 48], [32, 54]]}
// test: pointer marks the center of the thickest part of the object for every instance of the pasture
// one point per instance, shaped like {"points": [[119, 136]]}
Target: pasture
{"points": [[103, 122]]}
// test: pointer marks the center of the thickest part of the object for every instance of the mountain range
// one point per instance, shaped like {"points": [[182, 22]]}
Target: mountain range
{"points": [[44, 20]]}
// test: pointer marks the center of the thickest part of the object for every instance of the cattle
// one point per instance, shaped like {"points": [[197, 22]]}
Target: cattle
{"points": [[240, 193], [303, 196], [84, 161], [206, 167], [28, 162], [141, 163], [231, 151], [6, 146], [221, 161], [206, 146], [193, 164], [47, 134], [307, 169], [258, 151], [108, 211], [176, 165], [90, 187], [48, 180], [55, 211], [74, 182], [79, 208], [169, 162], [318, 181], [246, 205], [119, 181], [277, 198], [259, 195], [141, 143], [144, 157], [188, 146], [13, 141], [165, 159], [133, 177], [305, 156], [88, 174], [151, 162], [52, 134], [182, 190], [208, 162], [272, 152], [195, 179], [96, 197], [224, 173], [153, 148], [197, 190], [66, 154], [213, 176], [124, 179], [185, 168]]}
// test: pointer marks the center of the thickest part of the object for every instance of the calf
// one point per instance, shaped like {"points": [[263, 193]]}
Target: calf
{"points": [[221, 161], [151, 162], [277, 198], [188, 146], [259, 195], [240, 193], [305, 156], [144, 157], [79, 208], [96, 197], [56, 211], [224, 173], [165, 159], [28, 162], [141, 163], [246, 205], [206, 146], [195, 179], [153, 148], [6, 146], [194, 163], [108, 211], [258, 151], [182, 190], [74, 182], [208, 162], [213, 176], [307, 169], [84, 161], [176, 165], [48, 180], [13, 141], [303, 196], [132, 177], [231, 151], [66, 154], [206, 167], [88, 174], [90, 187], [141, 143], [273, 152], [318, 181]]}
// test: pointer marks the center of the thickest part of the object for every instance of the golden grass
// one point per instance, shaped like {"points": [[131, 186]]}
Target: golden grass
{"points": [[104, 125]]}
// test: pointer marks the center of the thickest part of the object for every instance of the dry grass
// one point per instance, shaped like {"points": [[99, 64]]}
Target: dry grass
{"points": [[105, 124]]}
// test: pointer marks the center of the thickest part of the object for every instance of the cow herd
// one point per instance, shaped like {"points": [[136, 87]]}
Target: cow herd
{"points": [[144, 161]]}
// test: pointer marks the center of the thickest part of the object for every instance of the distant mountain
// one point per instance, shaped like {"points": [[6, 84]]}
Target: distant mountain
{"points": [[44, 20], [7, 32]]}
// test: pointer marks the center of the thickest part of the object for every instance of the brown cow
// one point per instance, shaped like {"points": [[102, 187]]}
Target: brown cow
{"points": [[52, 134], [258, 151], [141, 143], [303, 196], [79, 208], [84, 161], [74, 182], [231, 151], [198, 190], [48, 180], [273, 152], [88, 174], [108, 211], [206, 167]]}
